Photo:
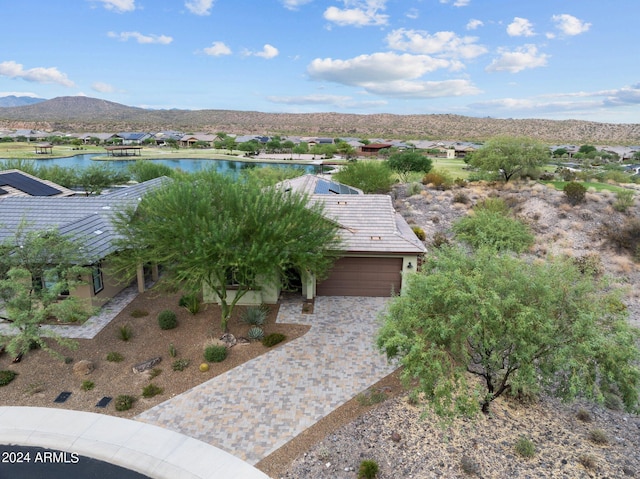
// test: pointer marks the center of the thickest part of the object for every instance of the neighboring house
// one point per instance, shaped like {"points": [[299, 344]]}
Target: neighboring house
{"points": [[18, 183], [379, 247], [87, 220], [190, 140], [133, 138], [374, 149]]}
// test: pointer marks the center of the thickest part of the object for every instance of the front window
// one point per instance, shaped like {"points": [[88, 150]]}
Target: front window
{"points": [[96, 278]]}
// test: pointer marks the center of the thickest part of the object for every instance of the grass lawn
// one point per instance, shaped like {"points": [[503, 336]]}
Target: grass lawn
{"points": [[559, 185], [454, 166]]}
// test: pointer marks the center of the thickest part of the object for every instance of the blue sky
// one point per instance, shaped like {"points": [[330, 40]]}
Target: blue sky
{"points": [[558, 59]]}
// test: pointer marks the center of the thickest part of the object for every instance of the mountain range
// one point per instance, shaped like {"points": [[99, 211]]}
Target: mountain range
{"points": [[84, 114]]}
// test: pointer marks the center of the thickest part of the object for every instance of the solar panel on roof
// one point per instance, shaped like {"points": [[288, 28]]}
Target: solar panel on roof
{"points": [[28, 185], [322, 187]]}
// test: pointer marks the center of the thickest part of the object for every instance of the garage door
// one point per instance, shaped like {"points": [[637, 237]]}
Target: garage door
{"points": [[362, 277]]}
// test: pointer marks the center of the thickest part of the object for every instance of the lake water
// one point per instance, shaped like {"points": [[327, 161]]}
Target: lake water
{"points": [[184, 164]]}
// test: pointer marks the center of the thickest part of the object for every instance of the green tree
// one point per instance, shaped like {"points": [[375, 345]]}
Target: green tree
{"points": [[587, 149], [346, 150], [95, 178], [145, 170], [471, 327], [36, 267], [208, 230], [510, 156], [371, 176], [407, 162]]}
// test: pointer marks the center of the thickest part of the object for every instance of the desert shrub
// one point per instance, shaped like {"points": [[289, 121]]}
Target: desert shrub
{"points": [[460, 182], [114, 357], [6, 377], [492, 204], [439, 239], [547, 176], [574, 192], [273, 339], [154, 373], [254, 316], [124, 402], [589, 264], [525, 447], [414, 189], [613, 401], [151, 390], [598, 436], [139, 313], [167, 319], [180, 364], [468, 465], [625, 237], [125, 333], [588, 461], [371, 397], [369, 176], [368, 469], [624, 200], [495, 231], [215, 353], [436, 180], [255, 333], [87, 385], [419, 232], [142, 170], [461, 197], [70, 311], [566, 174], [190, 302], [583, 415]]}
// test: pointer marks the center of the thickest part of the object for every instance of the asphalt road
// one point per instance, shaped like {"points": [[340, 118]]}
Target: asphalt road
{"points": [[21, 462]]}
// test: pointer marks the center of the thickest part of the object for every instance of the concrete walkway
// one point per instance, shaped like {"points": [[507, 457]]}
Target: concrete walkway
{"points": [[259, 406]]}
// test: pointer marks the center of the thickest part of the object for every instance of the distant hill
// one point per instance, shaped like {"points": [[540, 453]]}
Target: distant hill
{"points": [[83, 114], [12, 100]]}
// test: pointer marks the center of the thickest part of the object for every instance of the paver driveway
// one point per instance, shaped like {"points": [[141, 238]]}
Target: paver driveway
{"points": [[257, 407]]}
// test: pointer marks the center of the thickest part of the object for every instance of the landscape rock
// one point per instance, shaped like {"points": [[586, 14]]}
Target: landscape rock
{"points": [[83, 367], [146, 365], [228, 339]]}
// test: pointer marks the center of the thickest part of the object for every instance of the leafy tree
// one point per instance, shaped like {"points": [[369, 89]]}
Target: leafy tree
{"points": [[407, 162], [587, 149], [144, 170], [251, 146], [493, 229], [346, 150], [270, 175], [371, 176], [95, 178], [509, 156], [301, 148], [208, 230], [515, 325], [560, 152], [36, 267]]}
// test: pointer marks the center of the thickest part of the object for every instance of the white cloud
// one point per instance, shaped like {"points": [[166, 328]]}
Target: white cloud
{"points": [[103, 87], [446, 44], [413, 14], [268, 52], [518, 60], [294, 4], [12, 69], [119, 6], [218, 49], [473, 24], [18, 93], [140, 38], [520, 27], [339, 101], [199, 7], [457, 3], [570, 25], [362, 13], [390, 74]]}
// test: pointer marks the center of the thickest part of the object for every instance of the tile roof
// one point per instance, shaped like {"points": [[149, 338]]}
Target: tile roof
{"points": [[86, 219], [370, 224]]}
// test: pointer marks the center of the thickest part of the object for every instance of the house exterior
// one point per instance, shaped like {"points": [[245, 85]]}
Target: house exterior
{"points": [[189, 141], [87, 220], [374, 149], [379, 247]]}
